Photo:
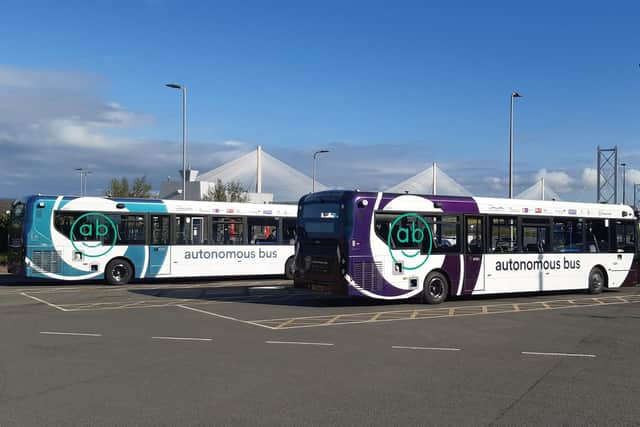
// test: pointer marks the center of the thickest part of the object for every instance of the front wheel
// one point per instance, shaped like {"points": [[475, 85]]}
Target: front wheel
{"points": [[596, 281], [118, 272], [289, 268], [436, 288]]}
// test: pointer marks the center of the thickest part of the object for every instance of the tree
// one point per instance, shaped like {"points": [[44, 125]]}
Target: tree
{"points": [[232, 191], [120, 188], [4, 230], [141, 188], [236, 192]]}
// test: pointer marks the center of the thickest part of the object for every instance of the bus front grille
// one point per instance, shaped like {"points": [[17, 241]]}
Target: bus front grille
{"points": [[49, 261], [367, 275]]}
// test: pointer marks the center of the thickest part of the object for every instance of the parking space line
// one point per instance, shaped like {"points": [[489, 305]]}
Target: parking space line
{"points": [[300, 343], [535, 353], [80, 334], [404, 347], [209, 313], [42, 301], [181, 339]]}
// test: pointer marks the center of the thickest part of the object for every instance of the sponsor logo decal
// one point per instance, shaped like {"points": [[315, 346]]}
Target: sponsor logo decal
{"points": [[94, 227], [413, 235]]}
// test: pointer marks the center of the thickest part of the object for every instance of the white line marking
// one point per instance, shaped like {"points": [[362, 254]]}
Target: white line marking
{"points": [[535, 353], [43, 301], [224, 317], [299, 343], [424, 348], [181, 339], [80, 334]]}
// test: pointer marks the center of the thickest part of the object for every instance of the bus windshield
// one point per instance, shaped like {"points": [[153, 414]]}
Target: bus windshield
{"points": [[321, 218]]}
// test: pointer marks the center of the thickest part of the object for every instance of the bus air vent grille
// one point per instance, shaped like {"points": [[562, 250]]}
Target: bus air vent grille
{"points": [[367, 275], [49, 261]]}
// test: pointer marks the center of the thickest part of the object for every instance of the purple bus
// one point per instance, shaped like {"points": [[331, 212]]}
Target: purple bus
{"points": [[399, 246]]}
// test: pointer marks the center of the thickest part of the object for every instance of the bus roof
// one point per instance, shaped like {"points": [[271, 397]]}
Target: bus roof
{"points": [[173, 206]]}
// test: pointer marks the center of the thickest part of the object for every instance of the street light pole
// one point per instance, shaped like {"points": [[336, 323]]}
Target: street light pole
{"points": [[83, 180], [623, 182], [513, 95], [315, 155], [184, 135]]}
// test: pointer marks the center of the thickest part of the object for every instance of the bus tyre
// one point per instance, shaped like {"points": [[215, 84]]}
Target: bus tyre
{"points": [[436, 288], [118, 272], [289, 268], [596, 280]]}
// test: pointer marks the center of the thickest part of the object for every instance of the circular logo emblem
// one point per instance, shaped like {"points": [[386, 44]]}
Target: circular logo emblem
{"points": [[410, 236], [93, 227]]}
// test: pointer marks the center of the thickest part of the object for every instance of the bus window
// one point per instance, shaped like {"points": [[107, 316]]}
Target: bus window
{"points": [[130, 230], [189, 230], [503, 237], [597, 235], [263, 230], [474, 235], [624, 238], [568, 235], [288, 231], [535, 235], [159, 229], [227, 230], [444, 234]]}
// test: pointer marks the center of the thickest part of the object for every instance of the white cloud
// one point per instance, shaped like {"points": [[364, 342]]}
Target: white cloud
{"points": [[632, 176], [25, 78], [589, 178], [558, 180], [495, 183]]}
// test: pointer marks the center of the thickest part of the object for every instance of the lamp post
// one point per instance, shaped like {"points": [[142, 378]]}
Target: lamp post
{"points": [[623, 182], [315, 155], [184, 136], [513, 95], [83, 180]]}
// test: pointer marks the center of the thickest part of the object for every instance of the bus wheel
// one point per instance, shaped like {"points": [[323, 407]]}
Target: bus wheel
{"points": [[596, 280], [289, 268], [118, 272], [436, 288]]}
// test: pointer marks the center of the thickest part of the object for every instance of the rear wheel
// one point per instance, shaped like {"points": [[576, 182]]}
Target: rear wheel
{"points": [[289, 269], [436, 288], [596, 280], [118, 272]]}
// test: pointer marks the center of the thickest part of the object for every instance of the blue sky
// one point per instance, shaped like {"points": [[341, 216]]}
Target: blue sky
{"points": [[389, 86]]}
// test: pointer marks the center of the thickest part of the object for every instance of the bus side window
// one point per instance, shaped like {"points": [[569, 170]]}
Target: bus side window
{"points": [[624, 236], [597, 236], [288, 231], [474, 235], [263, 230], [504, 234], [159, 229]]}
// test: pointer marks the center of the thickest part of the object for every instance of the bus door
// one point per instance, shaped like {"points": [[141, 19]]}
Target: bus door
{"points": [[159, 249], [474, 247]]}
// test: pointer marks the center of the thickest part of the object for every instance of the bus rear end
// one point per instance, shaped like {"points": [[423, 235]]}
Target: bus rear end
{"points": [[323, 233]]}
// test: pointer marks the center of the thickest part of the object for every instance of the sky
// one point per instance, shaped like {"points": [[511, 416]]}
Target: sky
{"points": [[387, 87]]}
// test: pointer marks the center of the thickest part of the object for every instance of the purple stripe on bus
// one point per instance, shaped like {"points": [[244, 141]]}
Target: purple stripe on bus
{"points": [[451, 266]]}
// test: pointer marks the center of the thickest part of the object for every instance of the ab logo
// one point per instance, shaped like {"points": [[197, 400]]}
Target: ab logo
{"points": [[94, 227], [413, 236]]}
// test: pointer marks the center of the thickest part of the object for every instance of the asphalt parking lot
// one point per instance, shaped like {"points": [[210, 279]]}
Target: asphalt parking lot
{"points": [[258, 352]]}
